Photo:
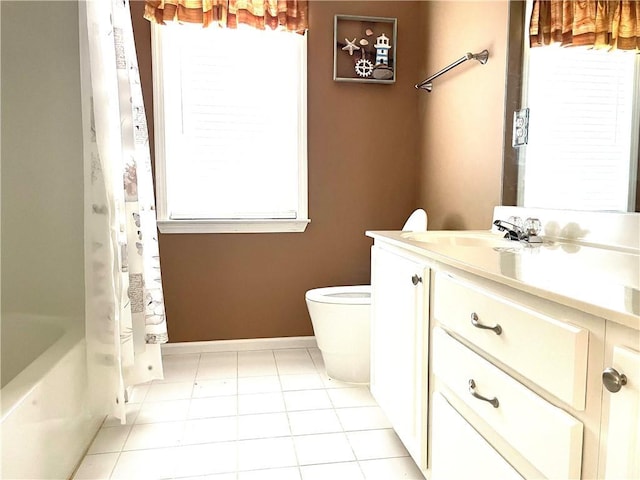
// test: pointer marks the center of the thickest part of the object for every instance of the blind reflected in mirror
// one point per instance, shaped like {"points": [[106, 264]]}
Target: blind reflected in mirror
{"points": [[584, 127], [582, 118]]}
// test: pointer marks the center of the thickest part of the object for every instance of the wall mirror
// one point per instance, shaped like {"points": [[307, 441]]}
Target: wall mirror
{"points": [[610, 189]]}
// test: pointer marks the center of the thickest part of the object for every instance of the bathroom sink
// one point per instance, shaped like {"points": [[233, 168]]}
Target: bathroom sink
{"points": [[462, 239]]}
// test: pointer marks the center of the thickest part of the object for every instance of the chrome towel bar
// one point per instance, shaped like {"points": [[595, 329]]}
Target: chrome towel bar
{"points": [[427, 84]]}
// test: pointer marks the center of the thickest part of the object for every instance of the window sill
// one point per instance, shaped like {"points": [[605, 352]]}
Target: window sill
{"points": [[232, 226]]}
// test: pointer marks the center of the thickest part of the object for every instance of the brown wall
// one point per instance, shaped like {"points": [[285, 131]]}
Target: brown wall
{"points": [[463, 117], [363, 142]]}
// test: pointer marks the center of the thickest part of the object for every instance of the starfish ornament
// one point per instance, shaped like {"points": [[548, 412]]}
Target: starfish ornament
{"points": [[350, 46]]}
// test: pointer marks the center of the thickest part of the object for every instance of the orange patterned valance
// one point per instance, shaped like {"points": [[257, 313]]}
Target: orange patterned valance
{"points": [[288, 15], [594, 23]]}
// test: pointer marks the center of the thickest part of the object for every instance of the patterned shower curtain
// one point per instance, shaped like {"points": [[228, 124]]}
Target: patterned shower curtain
{"points": [[125, 320]]}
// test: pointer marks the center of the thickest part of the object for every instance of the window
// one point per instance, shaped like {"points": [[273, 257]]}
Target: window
{"points": [[230, 125], [583, 129]]}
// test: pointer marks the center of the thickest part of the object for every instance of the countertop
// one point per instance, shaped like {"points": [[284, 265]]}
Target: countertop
{"points": [[599, 281]]}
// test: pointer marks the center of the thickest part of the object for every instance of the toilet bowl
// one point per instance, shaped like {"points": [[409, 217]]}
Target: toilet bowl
{"points": [[340, 319]]}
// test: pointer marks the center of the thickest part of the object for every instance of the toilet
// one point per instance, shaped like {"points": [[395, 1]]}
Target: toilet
{"points": [[341, 320]]}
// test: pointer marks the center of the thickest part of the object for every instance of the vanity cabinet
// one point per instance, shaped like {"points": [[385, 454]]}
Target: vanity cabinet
{"points": [[620, 437], [399, 346], [546, 436], [516, 375], [515, 367]]}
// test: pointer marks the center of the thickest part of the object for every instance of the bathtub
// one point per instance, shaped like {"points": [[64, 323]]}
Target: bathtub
{"points": [[46, 424]]}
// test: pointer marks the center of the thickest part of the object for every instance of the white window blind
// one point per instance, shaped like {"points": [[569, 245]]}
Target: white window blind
{"points": [[234, 118], [581, 119]]}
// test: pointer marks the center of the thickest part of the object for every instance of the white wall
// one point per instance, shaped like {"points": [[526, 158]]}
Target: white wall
{"points": [[42, 167]]}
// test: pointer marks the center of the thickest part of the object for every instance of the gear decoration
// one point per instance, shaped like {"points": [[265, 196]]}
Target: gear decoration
{"points": [[364, 67]]}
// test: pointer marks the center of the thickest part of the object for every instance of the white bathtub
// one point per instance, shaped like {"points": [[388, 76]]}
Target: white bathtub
{"points": [[46, 424]]}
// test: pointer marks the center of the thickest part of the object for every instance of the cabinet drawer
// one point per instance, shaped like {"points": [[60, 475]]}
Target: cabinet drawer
{"points": [[551, 353], [454, 439], [549, 438]]}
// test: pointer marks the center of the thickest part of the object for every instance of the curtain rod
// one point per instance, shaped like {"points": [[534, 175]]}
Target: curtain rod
{"points": [[427, 83]]}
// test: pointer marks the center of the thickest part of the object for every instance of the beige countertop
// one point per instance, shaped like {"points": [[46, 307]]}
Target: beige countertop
{"points": [[599, 281]]}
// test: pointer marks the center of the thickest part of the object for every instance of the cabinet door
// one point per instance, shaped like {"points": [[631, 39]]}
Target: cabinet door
{"points": [[399, 295], [621, 430], [459, 452]]}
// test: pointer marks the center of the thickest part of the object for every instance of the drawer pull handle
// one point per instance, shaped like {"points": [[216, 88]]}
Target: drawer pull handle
{"points": [[477, 324], [472, 390], [416, 279], [613, 380]]}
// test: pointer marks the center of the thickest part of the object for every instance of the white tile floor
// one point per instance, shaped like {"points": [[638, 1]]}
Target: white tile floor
{"points": [[267, 414]]}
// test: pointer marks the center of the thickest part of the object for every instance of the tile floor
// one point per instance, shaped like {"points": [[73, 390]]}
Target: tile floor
{"points": [[246, 415]]}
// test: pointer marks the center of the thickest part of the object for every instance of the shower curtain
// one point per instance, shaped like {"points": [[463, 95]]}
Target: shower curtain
{"points": [[125, 320]]}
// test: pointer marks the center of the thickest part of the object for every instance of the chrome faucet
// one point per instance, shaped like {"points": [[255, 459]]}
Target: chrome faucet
{"points": [[512, 231], [515, 230]]}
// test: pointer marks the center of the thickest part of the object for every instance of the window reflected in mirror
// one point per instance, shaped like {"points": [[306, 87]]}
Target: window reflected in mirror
{"points": [[583, 124], [581, 121]]}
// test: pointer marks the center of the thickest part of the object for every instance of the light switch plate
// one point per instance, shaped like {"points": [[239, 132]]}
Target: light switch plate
{"points": [[520, 128]]}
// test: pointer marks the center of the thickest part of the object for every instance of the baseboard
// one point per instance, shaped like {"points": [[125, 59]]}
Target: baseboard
{"points": [[239, 345]]}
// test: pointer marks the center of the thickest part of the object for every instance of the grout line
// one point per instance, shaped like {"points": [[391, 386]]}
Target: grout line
{"points": [[193, 383], [115, 464]]}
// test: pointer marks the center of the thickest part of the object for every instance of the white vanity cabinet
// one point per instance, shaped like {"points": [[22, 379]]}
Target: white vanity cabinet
{"points": [[519, 369], [544, 435], [399, 346], [535, 358], [620, 434]]}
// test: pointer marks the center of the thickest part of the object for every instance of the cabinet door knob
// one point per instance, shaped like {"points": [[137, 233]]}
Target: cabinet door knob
{"points": [[613, 380], [474, 321], [416, 279], [472, 390]]}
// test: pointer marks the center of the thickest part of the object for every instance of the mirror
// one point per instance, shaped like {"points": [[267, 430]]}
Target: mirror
{"points": [[513, 102]]}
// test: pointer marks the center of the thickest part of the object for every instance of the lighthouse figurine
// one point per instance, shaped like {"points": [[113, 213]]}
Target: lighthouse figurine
{"points": [[382, 49]]}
